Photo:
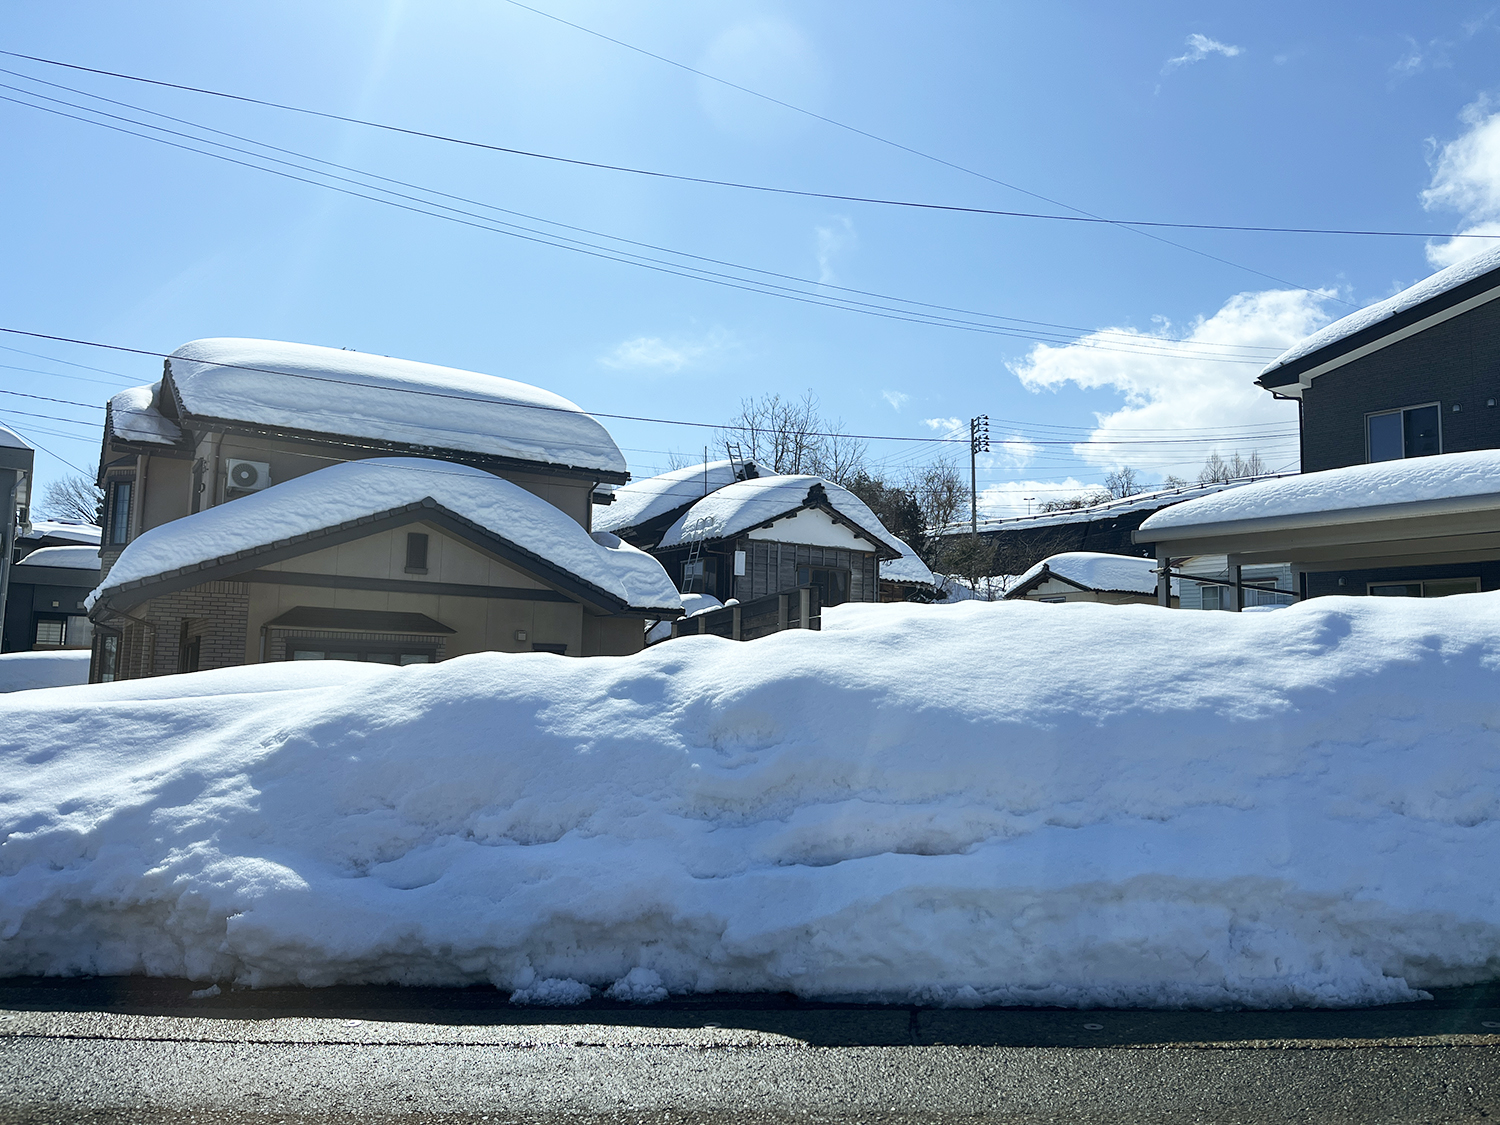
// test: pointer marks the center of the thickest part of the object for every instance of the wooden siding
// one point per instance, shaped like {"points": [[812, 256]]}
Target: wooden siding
{"points": [[771, 567]]}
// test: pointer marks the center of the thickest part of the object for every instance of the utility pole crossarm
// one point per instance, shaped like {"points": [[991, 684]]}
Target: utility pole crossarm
{"points": [[979, 442]]}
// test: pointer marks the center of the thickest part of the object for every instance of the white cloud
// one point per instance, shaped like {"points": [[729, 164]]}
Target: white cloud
{"points": [[832, 240], [897, 399], [1173, 388], [944, 424], [1466, 179], [652, 353], [1025, 497], [1199, 47], [1014, 452]]}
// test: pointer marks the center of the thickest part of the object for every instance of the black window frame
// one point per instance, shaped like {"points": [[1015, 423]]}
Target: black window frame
{"points": [[806, 576], [363, 651], [117, 534], [417, 548], [1402, 413], [706, 577]]}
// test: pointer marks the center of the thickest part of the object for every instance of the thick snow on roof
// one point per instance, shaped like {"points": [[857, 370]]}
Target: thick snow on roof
{"points": [[645, 499], [1448, 475], [908, 568], [1108, 509], [1011, 803], [745, 504], [1440, 282], [352, 394], [28, 671], [1114, 573], [72, 530], [71, 558], [9, 439], [133, 416], [340, 493]]}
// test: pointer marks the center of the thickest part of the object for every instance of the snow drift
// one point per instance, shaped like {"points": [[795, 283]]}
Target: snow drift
{"points": [[980, 803]]}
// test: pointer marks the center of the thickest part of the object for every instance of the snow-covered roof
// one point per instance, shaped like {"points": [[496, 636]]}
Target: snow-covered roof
{"points": [[341, 494], [1467, 478], [73, 531], [1116, 574], [70, 558], [134, 416], [746, 504], [352, 394], [646, 499], [908, 568], [1109, 508], [1443, 282], [9, 439]]}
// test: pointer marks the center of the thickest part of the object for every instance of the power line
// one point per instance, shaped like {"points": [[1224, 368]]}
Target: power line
{"points": [[1081, 217], [446, 395], [1133, 343]]}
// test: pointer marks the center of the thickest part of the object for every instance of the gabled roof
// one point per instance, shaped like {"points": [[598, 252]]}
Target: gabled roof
{"points": [[1092, 572], [642, 502], [908, 568], [372, 401], [1449, 292], [359, 498], [750, 504]]}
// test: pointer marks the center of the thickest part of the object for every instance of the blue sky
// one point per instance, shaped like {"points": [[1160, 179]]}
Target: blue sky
{"points": [[1331, 115]]}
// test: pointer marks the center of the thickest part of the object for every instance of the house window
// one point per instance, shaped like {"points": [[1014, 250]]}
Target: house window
{"points": [[1429, 588], [1412, 432], [701, 576], [109, 657], [416, 553], [118, 531], [49, 630], [1213, 597], [832, 583], [381, 655]]}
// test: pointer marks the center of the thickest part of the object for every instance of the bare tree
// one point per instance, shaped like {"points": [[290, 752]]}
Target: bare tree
{"points": [[1073, 503], [790, 436], [1123, 482], [1216, 470], [73, 497], [1172, 480], [939, 492]]}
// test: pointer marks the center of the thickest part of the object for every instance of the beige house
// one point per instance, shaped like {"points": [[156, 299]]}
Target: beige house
{"points": [[1086, 576], [269, 501]]}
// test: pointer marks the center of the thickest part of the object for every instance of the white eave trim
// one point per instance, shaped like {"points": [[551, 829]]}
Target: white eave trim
{"points": [[1409, 509], [1304, 380]]}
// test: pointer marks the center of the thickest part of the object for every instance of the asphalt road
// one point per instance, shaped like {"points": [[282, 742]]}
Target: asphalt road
{"points": [[142, 1051]]}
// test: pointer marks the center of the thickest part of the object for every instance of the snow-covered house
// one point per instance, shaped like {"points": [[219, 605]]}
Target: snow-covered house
{"points": [[1424, 527], [45, 607], [268, 500], [641, 512], [767, 535], [1087, 576], [1415, 375]]}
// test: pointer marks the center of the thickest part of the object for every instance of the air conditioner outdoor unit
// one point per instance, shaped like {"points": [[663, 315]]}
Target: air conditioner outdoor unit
{"points": [[249, 476]]}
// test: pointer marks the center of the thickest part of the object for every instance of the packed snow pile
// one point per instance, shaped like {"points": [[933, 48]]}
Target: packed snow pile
{"points": [[1460, 273], [135, 415], [650, 498], [25, 671], [356, 394], [1463, 479], [980, 803], [344, 493], [747, 504]]}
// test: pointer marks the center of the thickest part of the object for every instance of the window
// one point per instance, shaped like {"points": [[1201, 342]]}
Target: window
{"points": [[1430, 588], [382, 655], [832, 583], [1213, 597], [119, 512], [701, 576], [1058, 600], [109, 657], [79, 632], [416, 553], [1394, 434], [49, 631]]}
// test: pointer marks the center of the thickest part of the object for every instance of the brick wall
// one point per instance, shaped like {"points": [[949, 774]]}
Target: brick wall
{"points": [[216, 614], [1456, 362]]}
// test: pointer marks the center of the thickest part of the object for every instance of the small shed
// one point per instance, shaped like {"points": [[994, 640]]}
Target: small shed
{"points": [[907, 579], [1086, 576]]}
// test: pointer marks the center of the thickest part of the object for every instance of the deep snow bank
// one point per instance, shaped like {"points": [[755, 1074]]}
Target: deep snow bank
{"points": [[24, 671], [1010, 803]]}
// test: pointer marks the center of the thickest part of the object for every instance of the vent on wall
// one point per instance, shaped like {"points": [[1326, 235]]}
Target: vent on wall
{"points": [[248, 476]]}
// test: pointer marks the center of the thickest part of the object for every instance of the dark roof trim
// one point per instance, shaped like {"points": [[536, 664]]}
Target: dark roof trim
{"points": [[358, 621], [401, 586], [1041, 577], [820, 503], [1291, 372], [129, 594], [376, 446]]}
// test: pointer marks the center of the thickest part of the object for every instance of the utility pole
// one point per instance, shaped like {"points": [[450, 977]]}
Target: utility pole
{"points": [[1028, 500], [979, 442]]}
